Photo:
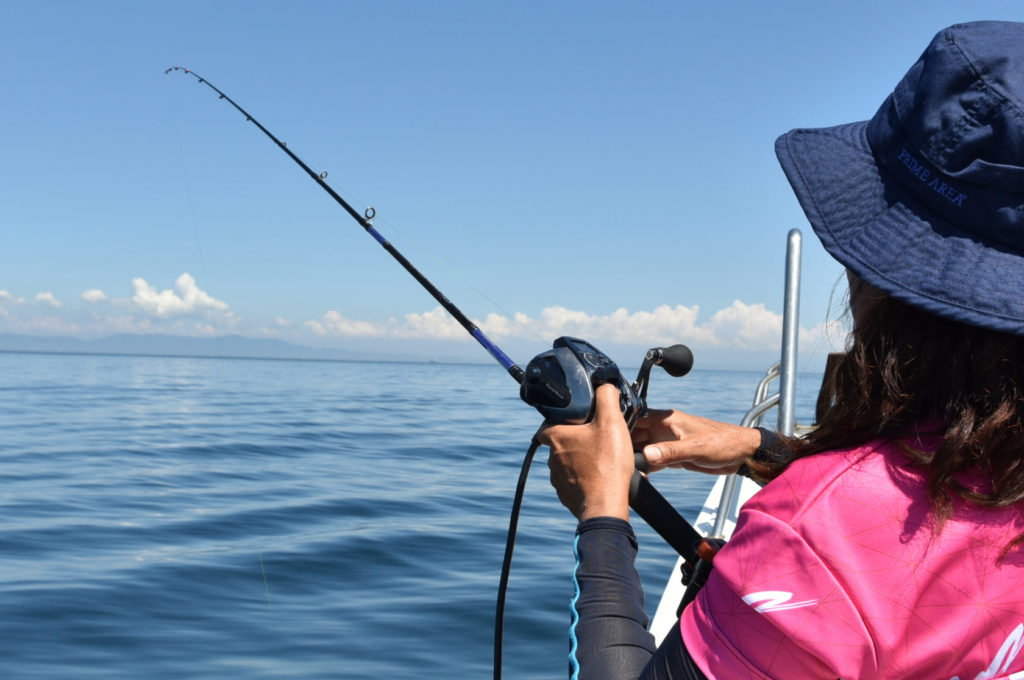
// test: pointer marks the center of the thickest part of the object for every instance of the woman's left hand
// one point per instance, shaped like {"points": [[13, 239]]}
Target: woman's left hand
{"points": [[592, 464]]}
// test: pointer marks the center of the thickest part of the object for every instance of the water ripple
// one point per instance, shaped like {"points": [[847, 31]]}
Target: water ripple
{"points": [[169, 518]]}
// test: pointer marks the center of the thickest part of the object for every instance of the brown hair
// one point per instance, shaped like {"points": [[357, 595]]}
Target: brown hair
{"points": [[906, 370]]}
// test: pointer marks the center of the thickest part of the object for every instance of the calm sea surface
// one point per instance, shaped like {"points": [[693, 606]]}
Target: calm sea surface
{"points": [[217, 518]]}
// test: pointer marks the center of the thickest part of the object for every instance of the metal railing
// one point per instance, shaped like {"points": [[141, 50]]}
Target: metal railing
{"points": [[784, 370]]}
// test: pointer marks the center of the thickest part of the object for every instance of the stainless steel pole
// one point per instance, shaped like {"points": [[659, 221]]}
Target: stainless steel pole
{"points": [[790, 333]]}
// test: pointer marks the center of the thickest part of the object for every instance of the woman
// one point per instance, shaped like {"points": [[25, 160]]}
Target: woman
{"points": [[889, 543]]}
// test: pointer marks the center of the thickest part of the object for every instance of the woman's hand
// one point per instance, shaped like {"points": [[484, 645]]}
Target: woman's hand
{"points": [[592, 464], [680, 440]]}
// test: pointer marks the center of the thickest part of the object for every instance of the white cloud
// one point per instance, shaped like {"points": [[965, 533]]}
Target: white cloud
{"points": [[187, 298], [436, 323], [662, 325], [94, 295], [746, 326], [48, 299], [499, 326], [333, 323], [188, 310], [739, 326]]}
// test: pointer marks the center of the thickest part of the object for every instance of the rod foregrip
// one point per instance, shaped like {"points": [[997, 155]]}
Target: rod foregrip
{"points": [[652, 507]]}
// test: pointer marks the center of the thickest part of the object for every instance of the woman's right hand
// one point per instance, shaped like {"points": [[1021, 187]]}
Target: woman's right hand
{"points": [[680, 440]]}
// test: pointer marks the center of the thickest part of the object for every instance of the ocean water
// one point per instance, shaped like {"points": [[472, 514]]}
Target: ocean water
{"points": [[215, 518]]}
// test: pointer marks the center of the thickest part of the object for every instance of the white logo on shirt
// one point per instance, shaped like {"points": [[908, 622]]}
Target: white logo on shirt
{"points": [[1004, 657], [775, 601]]}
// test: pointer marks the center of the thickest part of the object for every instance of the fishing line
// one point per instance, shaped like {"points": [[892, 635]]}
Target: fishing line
{"points": [[266, 585], [195, 224], [211, 320]]}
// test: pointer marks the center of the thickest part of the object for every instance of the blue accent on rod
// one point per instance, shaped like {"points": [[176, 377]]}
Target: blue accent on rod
{"points": [[493, 349], [376, 234]]}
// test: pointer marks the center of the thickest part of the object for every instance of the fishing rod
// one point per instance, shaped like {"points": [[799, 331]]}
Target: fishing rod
{"points": [[366, 221], [560, 383]]}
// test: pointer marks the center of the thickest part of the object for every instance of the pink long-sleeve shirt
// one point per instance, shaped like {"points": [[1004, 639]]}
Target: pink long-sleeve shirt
{"points": [[834, 571]]}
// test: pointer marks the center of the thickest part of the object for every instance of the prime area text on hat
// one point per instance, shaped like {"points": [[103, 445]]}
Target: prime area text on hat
{"points": [[921, 171]]}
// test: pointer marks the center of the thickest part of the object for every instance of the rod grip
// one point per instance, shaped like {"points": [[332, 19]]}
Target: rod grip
{"points": [[663, 518]]}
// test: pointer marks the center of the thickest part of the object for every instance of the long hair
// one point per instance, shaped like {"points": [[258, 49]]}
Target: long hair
{"points": [[910, 372]]}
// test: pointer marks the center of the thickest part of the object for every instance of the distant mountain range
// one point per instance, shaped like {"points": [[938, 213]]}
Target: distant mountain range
{"points": [[178, 345]]}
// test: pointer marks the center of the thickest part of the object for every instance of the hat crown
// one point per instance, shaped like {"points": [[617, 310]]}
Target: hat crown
{"points": [[962, 103], [952, 132]]}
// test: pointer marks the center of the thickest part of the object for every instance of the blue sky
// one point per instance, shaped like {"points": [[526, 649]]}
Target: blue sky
{"points": [[603, 169]]}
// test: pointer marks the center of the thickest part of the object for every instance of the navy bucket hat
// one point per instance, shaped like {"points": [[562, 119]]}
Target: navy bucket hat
{"points": [[925, 201]]}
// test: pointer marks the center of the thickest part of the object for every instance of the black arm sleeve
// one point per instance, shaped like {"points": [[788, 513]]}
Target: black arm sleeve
{"points": [[773, 449], [608, 636]]}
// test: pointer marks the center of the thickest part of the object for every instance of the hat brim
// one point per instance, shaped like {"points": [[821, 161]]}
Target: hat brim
{"points": [[874, 227]]}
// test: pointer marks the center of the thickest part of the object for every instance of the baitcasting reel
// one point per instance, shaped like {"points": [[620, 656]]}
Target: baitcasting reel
{"points": [[561, 382]]}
